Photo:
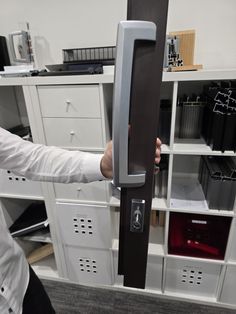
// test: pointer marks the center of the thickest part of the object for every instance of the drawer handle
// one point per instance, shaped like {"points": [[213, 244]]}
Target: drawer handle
{"points": [[78, 189], [68, 102], [72, 132]]}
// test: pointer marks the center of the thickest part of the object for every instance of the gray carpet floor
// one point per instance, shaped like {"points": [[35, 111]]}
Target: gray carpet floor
{"points": [[75, 299]]}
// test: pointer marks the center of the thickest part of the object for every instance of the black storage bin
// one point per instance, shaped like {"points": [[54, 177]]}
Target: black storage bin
{"points": [[217, 176]]}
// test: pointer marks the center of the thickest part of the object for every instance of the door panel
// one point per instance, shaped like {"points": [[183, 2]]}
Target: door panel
{"points": [[143, 119]]}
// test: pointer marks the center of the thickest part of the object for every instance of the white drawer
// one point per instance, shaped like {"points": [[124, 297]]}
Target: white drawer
{"points": [[68, 132], [84, 225], [192, 277], [11, 183], [70, 101], [89, 266], [89, 192]]}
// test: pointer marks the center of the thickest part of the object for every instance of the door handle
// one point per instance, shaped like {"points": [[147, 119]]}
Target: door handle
{"points": [[128, 33]]}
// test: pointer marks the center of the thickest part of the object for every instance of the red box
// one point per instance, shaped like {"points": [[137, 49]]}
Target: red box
{"points": [[195, 235]]}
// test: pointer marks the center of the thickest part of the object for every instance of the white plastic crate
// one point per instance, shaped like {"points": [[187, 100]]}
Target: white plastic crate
{"points": [[89, 192], [228, 294], [193, 278], [89, 266], [153, 274], [18, 185], [84, 225]]}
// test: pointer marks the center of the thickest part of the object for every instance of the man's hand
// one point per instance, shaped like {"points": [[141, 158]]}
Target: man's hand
{"points": [[106, 162], [158, 151]]}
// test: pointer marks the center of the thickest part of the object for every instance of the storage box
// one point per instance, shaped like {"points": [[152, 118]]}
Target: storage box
{"points": [[18, 185], [197, 235], [89, 266], [192, 278], [84, 225]]}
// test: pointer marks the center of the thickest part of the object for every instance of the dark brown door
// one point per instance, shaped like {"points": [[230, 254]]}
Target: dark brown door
{"points": [[138, 75]]}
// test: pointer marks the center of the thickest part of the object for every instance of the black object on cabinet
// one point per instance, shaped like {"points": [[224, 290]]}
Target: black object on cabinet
{"points": [[138, 75], [4, 56]]}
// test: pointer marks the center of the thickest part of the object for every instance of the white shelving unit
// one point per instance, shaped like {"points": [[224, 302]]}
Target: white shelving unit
{"points": [[17, 192], [86, 250]]}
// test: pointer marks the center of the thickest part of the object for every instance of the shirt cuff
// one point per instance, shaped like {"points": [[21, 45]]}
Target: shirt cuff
{"points": [[92, 167]]}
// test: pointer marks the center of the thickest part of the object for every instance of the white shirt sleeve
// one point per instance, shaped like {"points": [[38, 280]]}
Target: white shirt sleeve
{"points": [[47, 163]]}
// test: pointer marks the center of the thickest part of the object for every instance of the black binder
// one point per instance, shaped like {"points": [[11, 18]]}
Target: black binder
{"points": [[33, 218]]}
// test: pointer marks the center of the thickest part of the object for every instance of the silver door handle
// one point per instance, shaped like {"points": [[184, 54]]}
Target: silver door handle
{"points": [[128, 32]]}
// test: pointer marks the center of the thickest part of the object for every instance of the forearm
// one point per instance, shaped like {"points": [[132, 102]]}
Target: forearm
{"points": [[45, 163]]}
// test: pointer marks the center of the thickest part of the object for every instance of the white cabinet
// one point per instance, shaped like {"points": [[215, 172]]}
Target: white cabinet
{"points": [[76, 113], [72, 113]]}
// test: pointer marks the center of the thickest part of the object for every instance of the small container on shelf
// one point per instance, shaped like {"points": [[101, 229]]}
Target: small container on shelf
{"points": [[202, 236]]}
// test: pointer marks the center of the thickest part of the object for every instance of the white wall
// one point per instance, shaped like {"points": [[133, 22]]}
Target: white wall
{"points": [[58, 24], [215, 25]]}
